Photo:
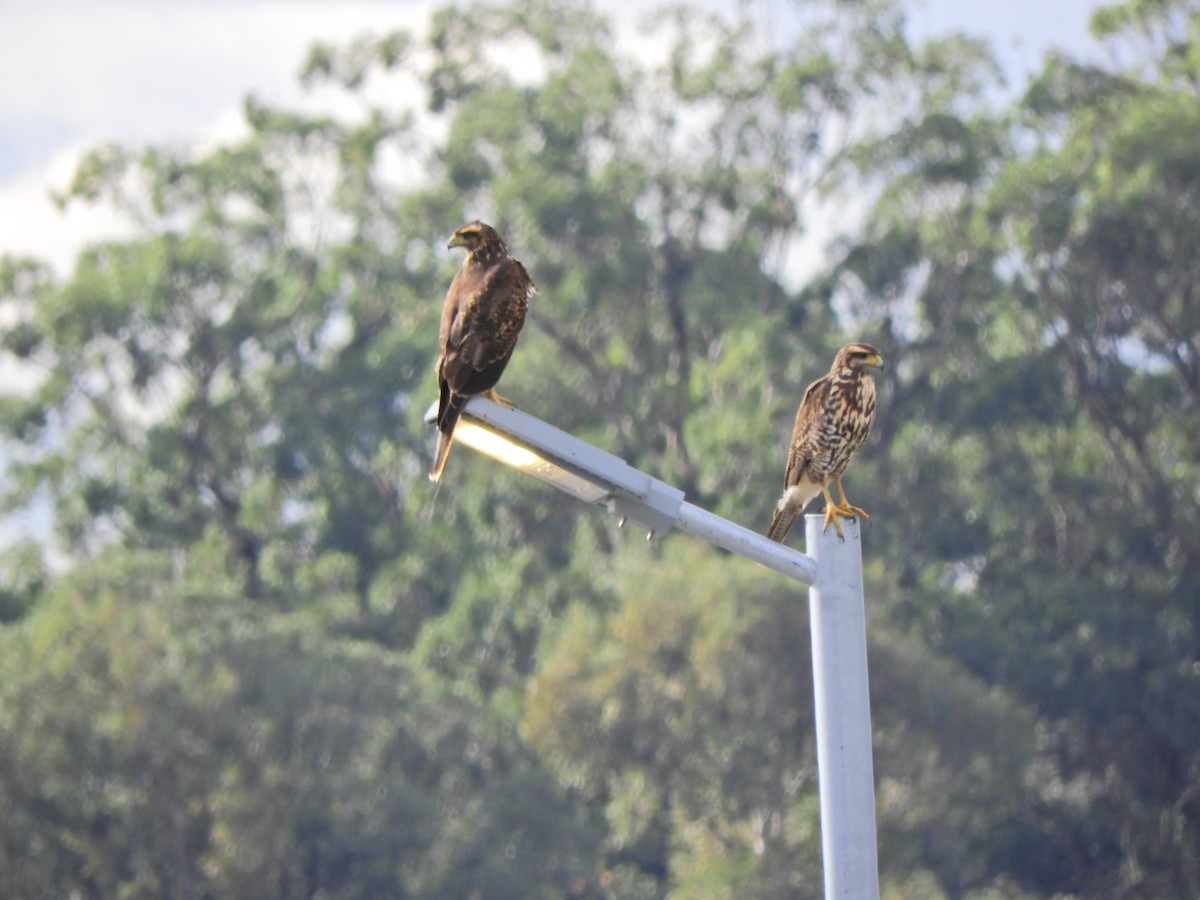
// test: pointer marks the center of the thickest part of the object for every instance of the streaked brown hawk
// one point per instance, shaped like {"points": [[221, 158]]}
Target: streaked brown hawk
{"points": [[481, 319], [833, 421]]}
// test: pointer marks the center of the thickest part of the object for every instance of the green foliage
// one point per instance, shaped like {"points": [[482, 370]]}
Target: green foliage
{"points": [[652, 711], [23, 577], [162, 739]]}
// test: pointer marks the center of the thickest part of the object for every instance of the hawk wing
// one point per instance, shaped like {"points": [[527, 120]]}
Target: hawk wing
{"points": [[800, 485], [481, 320], [808, 419]]}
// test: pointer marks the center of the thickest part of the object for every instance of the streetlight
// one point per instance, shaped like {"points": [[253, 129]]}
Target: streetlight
{"points": [[837, 615]]}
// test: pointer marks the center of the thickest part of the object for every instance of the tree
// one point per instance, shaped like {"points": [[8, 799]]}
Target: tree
{"points": [[685, 714], [1045, 278], [158, 740]]}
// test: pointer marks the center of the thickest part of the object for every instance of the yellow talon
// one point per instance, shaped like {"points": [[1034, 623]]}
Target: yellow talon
{"points": [[847, 511], [831, 518], [491, 394], [840, 510], [832, 512]]}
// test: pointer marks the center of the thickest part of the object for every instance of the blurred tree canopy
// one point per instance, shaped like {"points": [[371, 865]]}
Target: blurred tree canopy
{"points": [[260, 656]]}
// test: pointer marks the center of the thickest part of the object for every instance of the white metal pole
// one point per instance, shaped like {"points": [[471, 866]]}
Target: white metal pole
{"points": [[710, 527], [845, 773]]}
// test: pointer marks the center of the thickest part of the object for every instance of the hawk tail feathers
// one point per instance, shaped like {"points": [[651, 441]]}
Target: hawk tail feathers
{"points": [[445, 439], [781, 522], [447, 419], [790, 505]]}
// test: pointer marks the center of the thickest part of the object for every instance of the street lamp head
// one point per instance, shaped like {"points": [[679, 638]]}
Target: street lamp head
{"points": [[559, 459]]}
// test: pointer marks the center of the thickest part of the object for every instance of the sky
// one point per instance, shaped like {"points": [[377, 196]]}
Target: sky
{"points": [[78, 73]]}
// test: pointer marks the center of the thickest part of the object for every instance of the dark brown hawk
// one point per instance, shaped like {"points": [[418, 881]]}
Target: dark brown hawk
{"points": [[833, 421], [481, 319]]}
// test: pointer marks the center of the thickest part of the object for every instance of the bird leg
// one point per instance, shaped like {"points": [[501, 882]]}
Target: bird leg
{"points": [[491, 394], [844, 508], [840, 510], [832, 512]]}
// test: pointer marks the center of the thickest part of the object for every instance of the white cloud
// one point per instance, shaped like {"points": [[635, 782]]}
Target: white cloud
{"points": [[150, 68], [30, 225], [140, 72]]}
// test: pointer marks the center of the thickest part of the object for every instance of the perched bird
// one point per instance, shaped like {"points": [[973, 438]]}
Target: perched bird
{"points": [[481, 319], [833, 421]]}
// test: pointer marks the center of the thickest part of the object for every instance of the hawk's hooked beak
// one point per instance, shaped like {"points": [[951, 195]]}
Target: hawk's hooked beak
{"points": [[455, 241], [875, 361]]}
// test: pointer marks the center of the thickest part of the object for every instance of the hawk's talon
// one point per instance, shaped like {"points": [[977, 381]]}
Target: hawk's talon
{"points": [[491, 394], [850, 512], [833, 513], [845, 509]]}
